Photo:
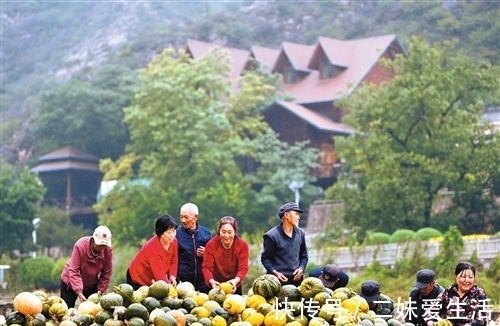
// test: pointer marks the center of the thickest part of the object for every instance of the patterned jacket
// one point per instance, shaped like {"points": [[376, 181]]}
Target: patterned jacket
{"points": [[473, 308]]}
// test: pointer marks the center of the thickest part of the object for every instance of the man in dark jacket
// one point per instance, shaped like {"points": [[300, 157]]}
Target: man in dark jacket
{"points": [[331, 276], [192, 239], [424, 291], [285, 252]]}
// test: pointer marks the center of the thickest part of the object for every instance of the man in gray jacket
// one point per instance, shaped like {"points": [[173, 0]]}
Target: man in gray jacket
{"points": [[285, 252]]}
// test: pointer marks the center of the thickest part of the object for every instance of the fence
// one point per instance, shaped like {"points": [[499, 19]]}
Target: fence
{"points": [[387, 255]]}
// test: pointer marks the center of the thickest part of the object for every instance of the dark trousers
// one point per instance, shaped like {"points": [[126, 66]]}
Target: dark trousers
{"points": [[129, 281], [69, 296]]}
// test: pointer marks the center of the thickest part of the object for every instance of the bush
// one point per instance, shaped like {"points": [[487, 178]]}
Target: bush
{"points": [[37, 272], [403, 235], [376, 238], [58, 268], [428, 233]]}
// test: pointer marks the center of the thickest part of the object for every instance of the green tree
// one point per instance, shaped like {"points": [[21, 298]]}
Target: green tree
{"points": [[57, 231], [37, 272], [193, 136], [20, 190], [86, 113], [422, 156]]}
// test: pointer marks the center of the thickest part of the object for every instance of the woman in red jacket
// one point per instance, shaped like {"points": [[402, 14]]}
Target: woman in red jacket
{"points": [[157, 259], [226, 256]]}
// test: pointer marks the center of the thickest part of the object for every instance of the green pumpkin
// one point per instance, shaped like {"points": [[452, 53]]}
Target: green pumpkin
{"points": [[164, 320], [125, 290], [137, 310], [82, 320], [290, 292], [171, 302], [151, 303], [111, 300], [190, 318], [219, 311], [365, 322], [15, 318], [205, 321], [189, 304], [158, 290], [102, 316], [136, 321], [311, 286], [267, 286], [393, 322]]}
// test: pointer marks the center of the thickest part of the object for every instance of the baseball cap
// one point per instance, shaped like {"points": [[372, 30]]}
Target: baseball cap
{"points": [[370, 290], [424, 278], [288, 207], [329, 275], [102, 236]]}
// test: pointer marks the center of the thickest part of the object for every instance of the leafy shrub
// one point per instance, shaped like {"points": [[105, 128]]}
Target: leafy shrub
{"points": [[37, 272], [428, 233], [402, 235], [58, 268], [494, 271], [376, 238]]}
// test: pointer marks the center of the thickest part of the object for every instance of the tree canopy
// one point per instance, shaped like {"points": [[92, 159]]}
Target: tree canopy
{"points": [[423, 156], [20, 190], [86, 112], [198, 141]]}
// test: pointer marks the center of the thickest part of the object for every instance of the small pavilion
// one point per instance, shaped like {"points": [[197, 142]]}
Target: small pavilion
{"points": [[72, 178]]}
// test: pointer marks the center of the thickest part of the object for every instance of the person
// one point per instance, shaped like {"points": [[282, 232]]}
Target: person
{"points": [[464, 302], [157, 259], [89, 268], [192, 239], [381, 304], [284, 249], [331, 276], [425, 291], [226, 256]]}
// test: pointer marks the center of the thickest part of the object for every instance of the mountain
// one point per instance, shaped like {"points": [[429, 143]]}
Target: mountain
{"points": [[46, 43]]}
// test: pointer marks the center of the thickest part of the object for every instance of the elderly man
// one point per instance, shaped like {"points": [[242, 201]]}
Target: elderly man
{"points": [[285, 252], [425, 291], [192, 239]]}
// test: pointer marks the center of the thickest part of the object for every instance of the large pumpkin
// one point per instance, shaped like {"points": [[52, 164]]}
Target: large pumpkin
{"points": [[234, 304], [178, 316], [27, 303], [311, 286], [267, 286]]}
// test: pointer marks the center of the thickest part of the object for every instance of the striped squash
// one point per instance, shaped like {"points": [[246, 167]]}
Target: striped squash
{"points": [[267, 286]]}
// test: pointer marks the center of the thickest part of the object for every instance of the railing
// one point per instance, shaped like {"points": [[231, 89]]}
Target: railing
{"points": [[387, 255]]}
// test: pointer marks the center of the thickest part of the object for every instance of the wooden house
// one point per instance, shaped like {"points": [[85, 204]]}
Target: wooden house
{"points": [[315, 76]]}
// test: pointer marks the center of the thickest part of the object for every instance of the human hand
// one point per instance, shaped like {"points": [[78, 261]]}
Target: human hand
{"points": [[280, 276], [234, 282], [430, 323], [214, 284], [99, 293], [173, 280], [297, 274], [200, 251], [81, 297]]}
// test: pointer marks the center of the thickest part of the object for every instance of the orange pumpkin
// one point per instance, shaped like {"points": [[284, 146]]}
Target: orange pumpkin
{"points": [[27, 303], [178, 316]]}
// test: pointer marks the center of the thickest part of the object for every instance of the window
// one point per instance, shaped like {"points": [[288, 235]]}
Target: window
{"points": [[290, 75], [325, 69]]}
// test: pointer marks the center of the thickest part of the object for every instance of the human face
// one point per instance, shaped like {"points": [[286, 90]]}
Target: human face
{"points": [[169, 235], [428, 289], [465, 280], [227, 233], [292, 217], [188, 220]]}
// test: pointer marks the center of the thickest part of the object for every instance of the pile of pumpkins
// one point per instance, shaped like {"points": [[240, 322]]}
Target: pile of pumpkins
{"points": [[267, 303]]}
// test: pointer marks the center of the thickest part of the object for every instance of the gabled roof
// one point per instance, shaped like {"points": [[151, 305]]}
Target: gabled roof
{"points": [[358, 55], [266, 56], [238, 57], [298, 55], [335, 50], [317, 120]]}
